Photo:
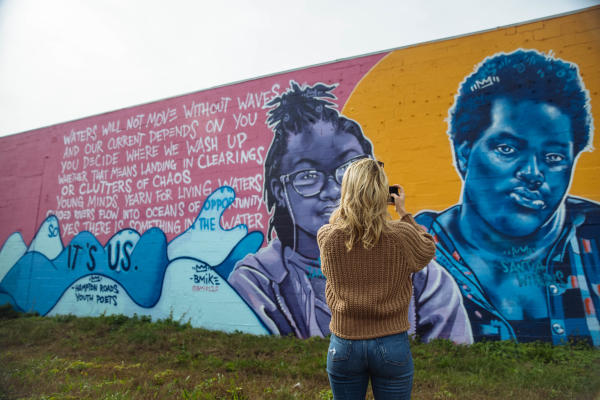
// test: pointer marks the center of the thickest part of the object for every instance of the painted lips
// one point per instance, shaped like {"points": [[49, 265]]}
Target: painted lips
{"points": [[327, 211], [527, 198]]}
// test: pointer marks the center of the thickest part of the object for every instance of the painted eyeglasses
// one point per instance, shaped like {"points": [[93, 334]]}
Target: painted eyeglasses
{"points": [[310, 182]]}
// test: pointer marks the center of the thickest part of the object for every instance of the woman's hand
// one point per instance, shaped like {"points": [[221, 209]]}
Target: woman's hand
{"points": [[399, 201]]}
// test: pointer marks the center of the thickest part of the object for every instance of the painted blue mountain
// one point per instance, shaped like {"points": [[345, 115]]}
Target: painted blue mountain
{"points": [[47, 240], [35, 283], [119, 248], [38, 276], [11, 251]]}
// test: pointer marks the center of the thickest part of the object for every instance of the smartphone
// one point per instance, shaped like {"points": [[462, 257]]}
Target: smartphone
{"points": [[394, 190]]}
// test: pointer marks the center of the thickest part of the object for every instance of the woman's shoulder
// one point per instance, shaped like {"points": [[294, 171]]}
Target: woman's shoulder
{"points": [[324, 230], [397, 225], [400, 229], [327, 231]]}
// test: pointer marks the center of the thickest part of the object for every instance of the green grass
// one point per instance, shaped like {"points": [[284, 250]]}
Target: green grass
{"points": [[115, 357]]}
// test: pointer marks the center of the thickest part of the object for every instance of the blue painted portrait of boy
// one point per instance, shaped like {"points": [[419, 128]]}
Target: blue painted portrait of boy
{"points": [[523, 252]]}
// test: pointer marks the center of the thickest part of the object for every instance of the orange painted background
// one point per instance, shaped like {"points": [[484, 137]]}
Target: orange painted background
{"points": [[403, 102]]}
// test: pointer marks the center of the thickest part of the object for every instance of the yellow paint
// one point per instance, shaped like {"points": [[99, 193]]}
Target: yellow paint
{"points": [[402, 103]]}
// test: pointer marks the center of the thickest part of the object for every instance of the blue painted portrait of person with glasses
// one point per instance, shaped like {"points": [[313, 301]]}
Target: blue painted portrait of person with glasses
{"points": [[312, 147], [523, 252]]}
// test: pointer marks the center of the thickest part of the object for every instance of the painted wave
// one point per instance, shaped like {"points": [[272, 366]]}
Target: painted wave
{"points": [[41, 277]]}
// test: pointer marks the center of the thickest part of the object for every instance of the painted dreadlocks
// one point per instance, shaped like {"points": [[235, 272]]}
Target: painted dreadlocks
{"points": [[294, 113]]}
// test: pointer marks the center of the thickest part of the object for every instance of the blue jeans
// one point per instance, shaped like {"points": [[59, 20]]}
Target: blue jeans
{"points": [[386, 360]]}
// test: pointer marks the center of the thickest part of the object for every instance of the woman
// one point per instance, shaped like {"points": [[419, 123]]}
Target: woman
{"points": [[368, 260]]}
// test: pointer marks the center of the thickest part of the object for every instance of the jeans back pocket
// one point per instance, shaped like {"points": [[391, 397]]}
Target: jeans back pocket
{"points": [[339, 348], [395, 349]]}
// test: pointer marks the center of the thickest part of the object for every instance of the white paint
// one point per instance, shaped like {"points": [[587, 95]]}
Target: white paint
{"points": [[47, 240], [210, 246], [204, 308], [11, 251]]}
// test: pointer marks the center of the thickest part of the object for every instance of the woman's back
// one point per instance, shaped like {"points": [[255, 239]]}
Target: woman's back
{"points": [[368, 291]]}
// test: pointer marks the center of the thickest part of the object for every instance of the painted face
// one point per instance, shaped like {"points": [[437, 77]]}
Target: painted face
{"points": [[309, 170], [518, 171]]}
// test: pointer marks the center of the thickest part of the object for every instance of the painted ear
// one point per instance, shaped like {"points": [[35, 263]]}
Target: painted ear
{"points": [[462, 152], [277, 190]]}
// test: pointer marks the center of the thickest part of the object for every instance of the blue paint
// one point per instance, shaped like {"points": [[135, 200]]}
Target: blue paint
{"points": [[35, 283], [248, 245], [523, 253]]}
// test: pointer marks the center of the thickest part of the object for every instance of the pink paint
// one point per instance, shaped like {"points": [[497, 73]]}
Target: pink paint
{"points": [[574, 283], [154, 164], [589, 306], [456, 255], [587, 247]]}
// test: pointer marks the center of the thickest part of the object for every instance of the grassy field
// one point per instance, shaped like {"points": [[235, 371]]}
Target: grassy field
{"points": [[116, 357]]}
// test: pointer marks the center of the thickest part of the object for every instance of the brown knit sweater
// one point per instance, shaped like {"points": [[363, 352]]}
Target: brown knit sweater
{"points": [[368, 291]]}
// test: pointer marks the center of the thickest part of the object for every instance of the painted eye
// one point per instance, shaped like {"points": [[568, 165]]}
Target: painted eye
{"points": [[307, 176], [554, 158], [505, 149]]}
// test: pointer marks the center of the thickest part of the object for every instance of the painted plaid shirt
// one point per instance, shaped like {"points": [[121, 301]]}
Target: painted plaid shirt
{"points": [[572, 300]]}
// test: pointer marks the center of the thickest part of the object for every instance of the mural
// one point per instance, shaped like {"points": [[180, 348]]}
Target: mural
{"points": [[312, 147], [524, 253], [205, 207]]}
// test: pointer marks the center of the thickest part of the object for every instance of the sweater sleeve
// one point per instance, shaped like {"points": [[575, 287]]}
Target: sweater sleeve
{"points": [[322, 233], [418, 244]]}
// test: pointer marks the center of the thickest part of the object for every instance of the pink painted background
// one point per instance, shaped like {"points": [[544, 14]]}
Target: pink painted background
{"points": [[51, 170]]}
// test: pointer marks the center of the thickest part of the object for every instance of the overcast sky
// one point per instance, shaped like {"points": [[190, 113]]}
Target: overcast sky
{"points": [[66, 59]]}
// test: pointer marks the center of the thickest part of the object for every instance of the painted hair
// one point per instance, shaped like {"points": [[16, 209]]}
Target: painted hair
{"points": [[520, 75], [363, 204], [294, 113]]}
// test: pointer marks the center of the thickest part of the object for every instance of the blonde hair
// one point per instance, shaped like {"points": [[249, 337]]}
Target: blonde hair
{"points": [[363, 204]]}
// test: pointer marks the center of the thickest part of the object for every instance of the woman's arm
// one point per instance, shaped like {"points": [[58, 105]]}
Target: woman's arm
{"points": [[419, 245]]}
